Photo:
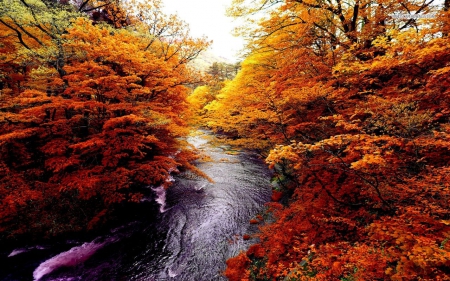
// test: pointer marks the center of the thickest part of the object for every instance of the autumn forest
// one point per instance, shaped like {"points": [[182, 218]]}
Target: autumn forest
{"points": [[347, 102]]}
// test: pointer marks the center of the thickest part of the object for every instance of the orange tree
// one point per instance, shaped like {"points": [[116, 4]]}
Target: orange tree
{"points": [[356, 120], [93, 116]]}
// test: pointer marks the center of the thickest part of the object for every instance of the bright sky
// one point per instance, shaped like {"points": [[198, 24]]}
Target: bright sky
{"points": [[207, 17]]}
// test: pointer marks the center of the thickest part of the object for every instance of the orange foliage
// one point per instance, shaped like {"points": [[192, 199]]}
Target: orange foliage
{"points": [[356, 122], [92, 130]]}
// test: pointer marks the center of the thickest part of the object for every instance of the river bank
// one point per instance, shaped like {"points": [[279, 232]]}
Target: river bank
{"points": [[200, 225]]}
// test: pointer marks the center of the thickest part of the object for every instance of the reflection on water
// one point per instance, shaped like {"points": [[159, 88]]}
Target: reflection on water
{"points": [[201, 225]]}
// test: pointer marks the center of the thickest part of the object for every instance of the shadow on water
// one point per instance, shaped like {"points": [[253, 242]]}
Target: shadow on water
{"points": [[201, 226]]}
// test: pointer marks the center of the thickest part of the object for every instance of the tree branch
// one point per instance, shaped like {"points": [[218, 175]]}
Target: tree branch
{"points": [[19, 34]]}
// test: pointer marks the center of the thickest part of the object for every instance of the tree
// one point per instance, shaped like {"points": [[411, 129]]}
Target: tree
{"points": [[91, 123], [356, 128]]}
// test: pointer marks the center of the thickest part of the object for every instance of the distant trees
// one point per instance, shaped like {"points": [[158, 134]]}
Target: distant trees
{"points": [[90, 111], [223, 71], [218, 75]]}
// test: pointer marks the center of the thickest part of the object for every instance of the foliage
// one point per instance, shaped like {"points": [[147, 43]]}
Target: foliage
{"points": [[221, 71], [352, 104], [217, 76], [90, 111]]}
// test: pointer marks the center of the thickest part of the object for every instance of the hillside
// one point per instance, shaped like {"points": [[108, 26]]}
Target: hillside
{"points": [[206, 59]]}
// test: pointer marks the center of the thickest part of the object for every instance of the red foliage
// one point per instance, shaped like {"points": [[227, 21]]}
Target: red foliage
{"points": [[362, 146], [276, 195], [236, 267], [77, 141]]}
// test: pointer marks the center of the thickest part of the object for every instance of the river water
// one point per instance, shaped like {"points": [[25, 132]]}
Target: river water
{"points": [[200, 225]]}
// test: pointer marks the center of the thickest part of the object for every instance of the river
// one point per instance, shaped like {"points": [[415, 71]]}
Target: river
{"points": [[200, 225]]}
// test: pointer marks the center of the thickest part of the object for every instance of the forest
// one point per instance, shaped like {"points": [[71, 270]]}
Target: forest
{"points": [[92, 108], [348, 102]]}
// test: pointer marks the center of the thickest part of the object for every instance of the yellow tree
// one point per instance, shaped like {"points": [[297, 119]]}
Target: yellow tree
{"points": [[364, 121]]}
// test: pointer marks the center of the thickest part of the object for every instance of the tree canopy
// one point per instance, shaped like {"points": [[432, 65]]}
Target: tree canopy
{"points": [[348, 102], [92, 106]]}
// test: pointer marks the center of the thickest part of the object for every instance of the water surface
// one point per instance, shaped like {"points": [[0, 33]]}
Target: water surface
{"points": [[200, 226]]}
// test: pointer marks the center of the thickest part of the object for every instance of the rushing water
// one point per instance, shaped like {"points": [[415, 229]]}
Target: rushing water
{"points": [[200, 225]]}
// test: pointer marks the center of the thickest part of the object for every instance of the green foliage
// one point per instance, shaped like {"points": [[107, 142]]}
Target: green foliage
{"points": [[258, 270]]}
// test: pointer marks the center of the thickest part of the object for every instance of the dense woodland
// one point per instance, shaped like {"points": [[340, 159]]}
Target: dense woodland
{"points": [[92, 108], [349, 103]]}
